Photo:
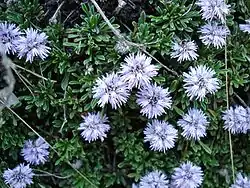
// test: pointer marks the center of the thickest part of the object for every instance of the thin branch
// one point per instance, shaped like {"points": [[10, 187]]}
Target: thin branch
{"points": [[64, 112], [21, 78], [241, 100], [53, 18], [45, 173], [29, 71], [227, 98], [120, 37]]}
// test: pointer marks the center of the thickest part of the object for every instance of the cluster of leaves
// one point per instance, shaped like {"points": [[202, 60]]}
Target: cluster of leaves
{"points": [[82, 53]]}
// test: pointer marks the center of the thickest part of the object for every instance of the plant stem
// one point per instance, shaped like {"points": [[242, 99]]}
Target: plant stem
{"points": [[227, 98]]}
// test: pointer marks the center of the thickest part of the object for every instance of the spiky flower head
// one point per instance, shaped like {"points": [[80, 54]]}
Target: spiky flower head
{"points": [[32, 45], [194, 124], [121, 47], [241, 182], [161, 135], [19, 177], [214, 34], [94, 126], [237, 119], [35, 151], [153, 99], [111, 89], [200, 81], [9, 36], [184, 50], [245, 27], [187, 175], [137, 70], [154, 179], [214, 9]]}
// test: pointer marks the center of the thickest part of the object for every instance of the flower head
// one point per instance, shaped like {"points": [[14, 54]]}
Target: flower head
{"points": [[161, 135], [214, 9], [121, 47], [194, 124], [35, 152], [111, 89], [155, 179], [32, 45], [184, 50], [153, 99], [138, 70], [245, 27], [241, 182], [237, 120], [94, 126], [200, 81], [187, 175], [19, 177], [214, 34], [9, 35]]}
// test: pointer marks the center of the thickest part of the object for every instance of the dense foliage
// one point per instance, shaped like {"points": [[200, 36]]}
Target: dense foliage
{"points": [[82, 50]]}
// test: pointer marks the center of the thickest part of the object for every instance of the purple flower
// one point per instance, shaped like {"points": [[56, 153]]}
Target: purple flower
{"points": [[153, 99], [161, 135], [138, 70], [237, 120], [194, 124], [154, 179], [33, 45], [214, 9], [94, 126], [111, 89], [241, 182], [19, 177], [245, 27], [184, 50], [187, 176], [214, 34], [9, 36], [200, 81], [35, 152]]}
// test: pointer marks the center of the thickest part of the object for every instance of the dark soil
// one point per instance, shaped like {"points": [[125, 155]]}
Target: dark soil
{"points": [[71, 10]]}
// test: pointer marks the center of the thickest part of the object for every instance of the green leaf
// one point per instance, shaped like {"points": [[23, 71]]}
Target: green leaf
{"points": [[205, 147]]}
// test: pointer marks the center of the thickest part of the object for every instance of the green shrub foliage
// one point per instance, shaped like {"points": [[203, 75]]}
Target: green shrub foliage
{"points": [[84, 51]]}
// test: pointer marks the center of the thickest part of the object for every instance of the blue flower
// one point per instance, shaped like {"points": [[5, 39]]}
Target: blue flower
{"points": [[35, 152], [19, 177], [237, 120], [214, 9], [9, 36], [184, 50], [153, 99], [94, 126], [155, 179], [138, 70], [245, 27], [187, 176], [111, 89], [241, 182], [33, 45], [194, 124], [214, 34], [199, 82], [161, 135]]}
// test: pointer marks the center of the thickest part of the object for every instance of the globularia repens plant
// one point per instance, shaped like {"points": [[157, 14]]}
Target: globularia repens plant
{"points": [[142, 94]]}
